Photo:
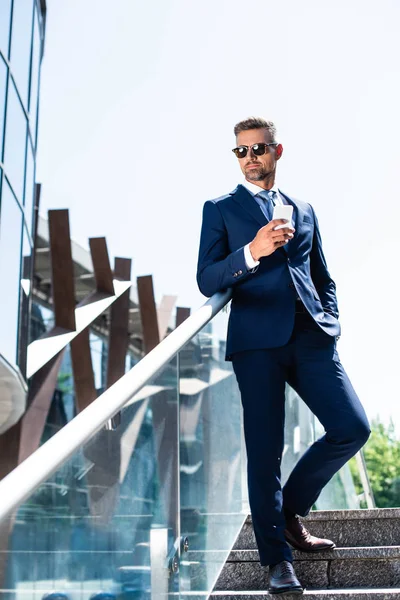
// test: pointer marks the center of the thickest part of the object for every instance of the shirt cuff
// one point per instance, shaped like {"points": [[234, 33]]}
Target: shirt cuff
{"points": [[250, 262]]}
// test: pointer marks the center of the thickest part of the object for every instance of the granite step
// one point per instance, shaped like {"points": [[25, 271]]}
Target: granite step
{"points": [[365, 567], [364, 527], [354, 594]]}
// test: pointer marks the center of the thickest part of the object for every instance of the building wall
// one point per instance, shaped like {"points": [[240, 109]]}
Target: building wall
{"points": [[21, 50]]}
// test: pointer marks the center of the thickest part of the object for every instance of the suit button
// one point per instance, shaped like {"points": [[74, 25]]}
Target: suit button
{"points": [[240, 272], [288, 260], [291, 285], [235, 274]]}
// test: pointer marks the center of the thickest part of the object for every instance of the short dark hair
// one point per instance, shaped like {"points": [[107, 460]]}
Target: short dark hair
{"points": [[256, 123]]}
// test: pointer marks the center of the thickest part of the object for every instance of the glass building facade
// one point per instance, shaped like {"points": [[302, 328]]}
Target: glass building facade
{"points": [[22, 26]]}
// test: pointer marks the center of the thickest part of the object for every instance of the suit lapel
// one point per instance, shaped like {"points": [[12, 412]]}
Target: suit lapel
{"points": [[243, 197], [247, 202]]}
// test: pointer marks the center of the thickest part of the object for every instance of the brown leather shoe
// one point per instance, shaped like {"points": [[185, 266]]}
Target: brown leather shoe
{"points": [[282, 578], [301, 539]]}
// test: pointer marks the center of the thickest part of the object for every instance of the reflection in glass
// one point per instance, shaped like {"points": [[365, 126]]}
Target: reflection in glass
{"points": [[14, 154], [29, 188], [21, 45], [108, 516], [34, 78], [5, 14], [25, 298], [130, 361], [97, 353], [10, 253], [213, 497], [64, 408], [3, 87], [42, 320]]}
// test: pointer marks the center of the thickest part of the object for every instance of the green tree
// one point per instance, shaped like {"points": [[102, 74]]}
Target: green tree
{"points": [[382, 457]]}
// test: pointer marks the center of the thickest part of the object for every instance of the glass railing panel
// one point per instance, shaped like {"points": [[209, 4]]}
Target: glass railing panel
{"points": [[108, 518], [213, 492], [115, 517], [302, 428]]}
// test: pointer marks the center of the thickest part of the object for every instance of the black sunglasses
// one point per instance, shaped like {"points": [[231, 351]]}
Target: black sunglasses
{"points": [[258, 149]]}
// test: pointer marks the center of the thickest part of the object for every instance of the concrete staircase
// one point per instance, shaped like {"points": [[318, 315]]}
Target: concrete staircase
{"points": [[365, 565]]}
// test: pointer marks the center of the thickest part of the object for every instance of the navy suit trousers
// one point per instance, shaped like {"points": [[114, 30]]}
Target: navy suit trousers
{"points": [[309, 362]]}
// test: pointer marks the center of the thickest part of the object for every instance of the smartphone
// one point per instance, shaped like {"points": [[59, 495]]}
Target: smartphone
{"points": [[283, 211]]}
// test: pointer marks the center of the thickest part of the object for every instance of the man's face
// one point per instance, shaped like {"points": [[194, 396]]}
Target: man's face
{"points": [[257, 168]]}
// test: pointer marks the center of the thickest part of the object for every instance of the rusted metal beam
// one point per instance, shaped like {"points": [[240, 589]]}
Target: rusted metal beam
{"points": [[40, 395], [164, 313], [24, 437], [101, 265], [62, 270], [148, 312], [182, 313], [82, 367], [119, 321], [9, 449]]}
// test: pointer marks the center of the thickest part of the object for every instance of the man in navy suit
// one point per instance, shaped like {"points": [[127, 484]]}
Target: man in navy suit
{"points": [[283, 327]]}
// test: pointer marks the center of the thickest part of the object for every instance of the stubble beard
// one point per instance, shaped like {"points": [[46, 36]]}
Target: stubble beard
{"points": [[255, 174]]}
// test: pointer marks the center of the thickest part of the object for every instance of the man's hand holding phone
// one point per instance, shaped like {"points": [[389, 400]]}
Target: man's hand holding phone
{"points": [[283, 211], [269, 238]]}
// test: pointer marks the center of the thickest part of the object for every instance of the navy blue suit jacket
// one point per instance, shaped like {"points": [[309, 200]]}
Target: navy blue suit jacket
{"points": [[263, 302]]}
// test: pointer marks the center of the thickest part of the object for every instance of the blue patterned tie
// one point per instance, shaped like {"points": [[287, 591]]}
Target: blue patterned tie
{"points": [[266, 201]]}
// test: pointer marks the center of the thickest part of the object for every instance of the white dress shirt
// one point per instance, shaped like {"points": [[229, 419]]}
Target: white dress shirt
{"points": [[256, 189]]}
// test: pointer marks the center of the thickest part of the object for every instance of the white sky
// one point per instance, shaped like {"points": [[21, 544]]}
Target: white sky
{"points": [[138, 102]]}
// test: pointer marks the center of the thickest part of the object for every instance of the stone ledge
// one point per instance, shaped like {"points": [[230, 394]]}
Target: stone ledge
{"points": [[361, 513], [252, 576], [371, 572], [357, 514], [362, 552], [346, 532], [353, 594]]}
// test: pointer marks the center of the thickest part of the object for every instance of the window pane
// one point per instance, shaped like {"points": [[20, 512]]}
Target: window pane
{"points": [[25, 295], [10, 253], [5, 13], [3, 79], [14, 155], [21, 45], [29, 188], [42, 320], [34, 78]]}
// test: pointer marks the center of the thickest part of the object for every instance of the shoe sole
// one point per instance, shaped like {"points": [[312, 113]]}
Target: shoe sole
{"points": [[295, 590], [311, 551]]}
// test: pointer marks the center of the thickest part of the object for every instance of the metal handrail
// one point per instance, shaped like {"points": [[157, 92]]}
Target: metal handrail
{"points": [[37, 468]]}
